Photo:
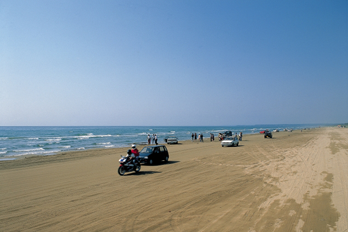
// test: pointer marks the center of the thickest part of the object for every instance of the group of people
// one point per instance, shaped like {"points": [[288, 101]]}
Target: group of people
{"points": [[152, 138], [194, 137], [200, 137]]}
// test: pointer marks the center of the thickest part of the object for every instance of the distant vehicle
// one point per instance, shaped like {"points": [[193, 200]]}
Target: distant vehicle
{"points": [[172, 140], [154, 154], [227, 133], [230, 142], [262, 132], [267, 134]]}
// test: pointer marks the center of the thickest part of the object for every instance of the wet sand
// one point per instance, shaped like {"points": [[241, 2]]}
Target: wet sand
{"points": [[297, 181]]}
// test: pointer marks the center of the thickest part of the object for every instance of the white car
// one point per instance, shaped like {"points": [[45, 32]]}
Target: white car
{"points": [[172, 140], [230, 142]]}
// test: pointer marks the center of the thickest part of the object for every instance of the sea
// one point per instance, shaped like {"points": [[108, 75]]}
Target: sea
{"points": [[21, 141]]}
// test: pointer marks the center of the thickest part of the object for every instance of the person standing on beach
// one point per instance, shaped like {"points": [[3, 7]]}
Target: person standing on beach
{"points": [[240, 136], [148, 139], [201, 135], [153, 139], [192, 136], [195, 136], [156, 139]]}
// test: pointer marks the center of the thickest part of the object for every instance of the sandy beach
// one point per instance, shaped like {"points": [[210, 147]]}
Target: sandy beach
{"points": [[297, 181]]}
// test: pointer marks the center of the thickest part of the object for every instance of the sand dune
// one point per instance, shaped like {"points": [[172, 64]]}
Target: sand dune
{"points": [[293, 182]]}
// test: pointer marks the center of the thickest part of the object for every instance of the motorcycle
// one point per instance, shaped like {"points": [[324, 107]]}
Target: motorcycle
{"points": [[127, 165]]}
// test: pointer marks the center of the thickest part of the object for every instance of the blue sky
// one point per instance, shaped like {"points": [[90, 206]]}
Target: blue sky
{"points": [[66, 63]]}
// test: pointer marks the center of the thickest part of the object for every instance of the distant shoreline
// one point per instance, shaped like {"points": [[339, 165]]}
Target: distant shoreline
{"points": [[19, 142]]}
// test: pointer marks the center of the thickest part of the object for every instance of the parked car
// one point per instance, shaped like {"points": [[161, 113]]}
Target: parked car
{"points": [[153, 154], [172, 140], [267, 134], [230, 142], [227, 133]]}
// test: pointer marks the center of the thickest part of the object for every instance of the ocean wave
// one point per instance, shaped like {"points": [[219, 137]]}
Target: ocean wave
{"points": [[81, 148], [36, 153], [101, 136], [103, 143], [33, 138], [3, 148], [29, 150], [82, 137], [110, 146], [218, 131], [66, 147], [3, 138], [54, 140], [3, 152], [90, 135]]}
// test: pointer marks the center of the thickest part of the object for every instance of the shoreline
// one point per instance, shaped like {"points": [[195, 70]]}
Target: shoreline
{"points": [[16, 143], [63, 156]]}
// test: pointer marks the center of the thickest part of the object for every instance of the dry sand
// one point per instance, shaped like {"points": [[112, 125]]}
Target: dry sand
{"points": [[293, 182]]}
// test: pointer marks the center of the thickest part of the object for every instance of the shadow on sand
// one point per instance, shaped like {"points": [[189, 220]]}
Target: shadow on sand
{"points": [[158, 164], [141, 173]]}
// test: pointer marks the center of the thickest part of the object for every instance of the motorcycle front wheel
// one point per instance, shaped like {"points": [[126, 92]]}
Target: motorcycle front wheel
{"points": [[121, 170]]}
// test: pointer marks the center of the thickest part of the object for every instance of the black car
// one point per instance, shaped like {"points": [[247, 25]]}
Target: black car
{"points": [[154, 154], [227, 133], [267, 134]]}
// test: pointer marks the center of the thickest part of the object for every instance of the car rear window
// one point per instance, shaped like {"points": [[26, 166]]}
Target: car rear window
{"points": [[147, 150]]}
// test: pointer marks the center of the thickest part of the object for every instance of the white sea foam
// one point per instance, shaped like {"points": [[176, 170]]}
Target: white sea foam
{"points": [[81, 148], [30, 150], [90, 135], [65, 147], [102, 136], [3, 138], [110, 146], [33, 138], [104, 143], [54, 140], [51, 152], [4, 148], [3, 152]]}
